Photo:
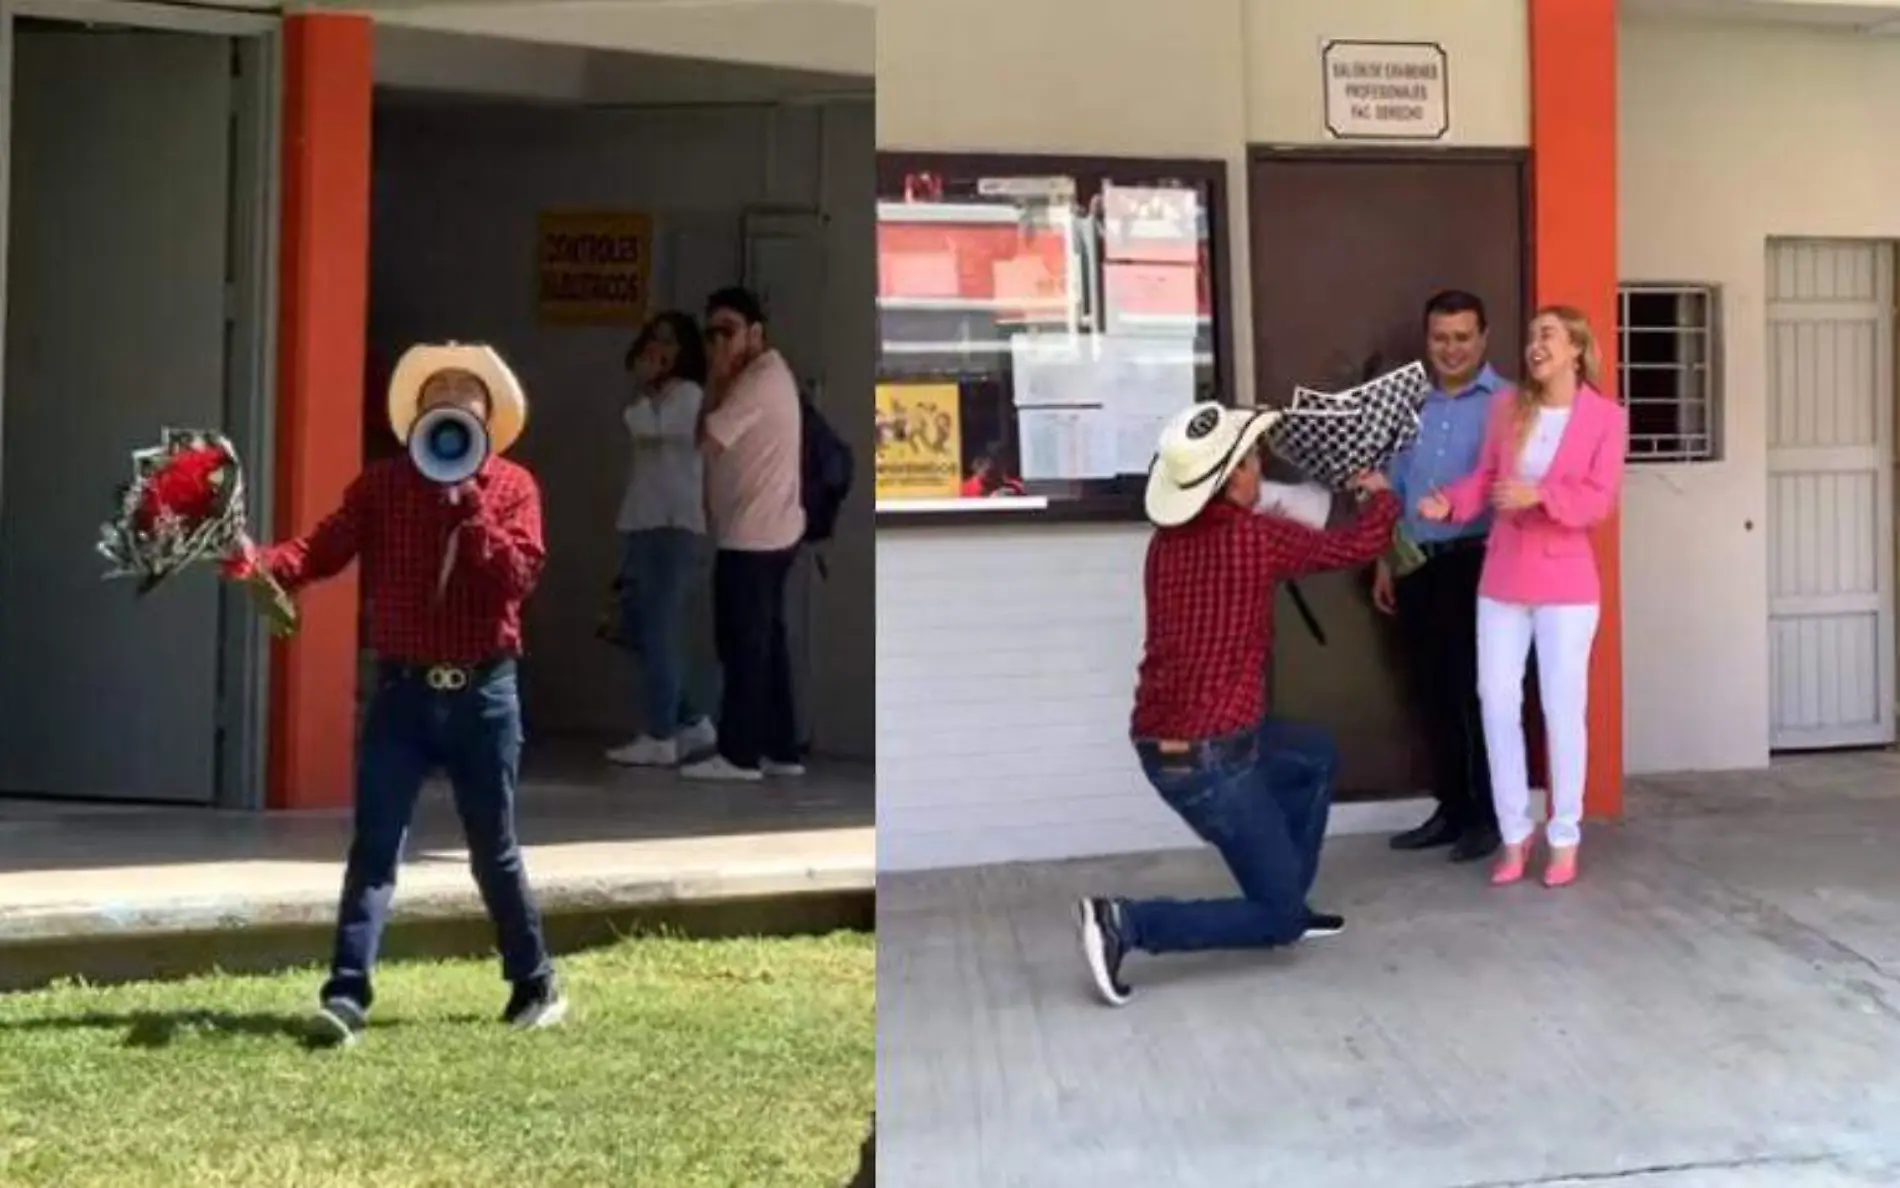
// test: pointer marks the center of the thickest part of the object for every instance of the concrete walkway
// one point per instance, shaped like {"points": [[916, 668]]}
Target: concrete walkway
{"points": [[1715, 1005], [594, 840]]}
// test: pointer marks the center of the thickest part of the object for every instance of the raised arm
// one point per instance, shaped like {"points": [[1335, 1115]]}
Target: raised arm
{"points": [[730, 417], [501, 539], [333, 544], [669, 416], [1583, 501], [1395, 470], [1296, 550]]}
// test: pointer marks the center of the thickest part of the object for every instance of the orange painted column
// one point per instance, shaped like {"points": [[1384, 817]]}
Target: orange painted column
{"points": [[323, 308], [1573, 226]]}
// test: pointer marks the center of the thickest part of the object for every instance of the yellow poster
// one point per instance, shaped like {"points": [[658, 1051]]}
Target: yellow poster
{"points": [[919, 441], [595, 267]]}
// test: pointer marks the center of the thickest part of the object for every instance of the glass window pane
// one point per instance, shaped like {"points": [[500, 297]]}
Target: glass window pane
{"points": [[1038, 324]]}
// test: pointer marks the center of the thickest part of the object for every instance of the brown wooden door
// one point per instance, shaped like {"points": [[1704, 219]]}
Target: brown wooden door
{"points": [[1345, 253]]}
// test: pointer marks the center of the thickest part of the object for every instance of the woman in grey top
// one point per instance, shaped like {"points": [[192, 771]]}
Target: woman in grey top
{"points": [[663, 522]]}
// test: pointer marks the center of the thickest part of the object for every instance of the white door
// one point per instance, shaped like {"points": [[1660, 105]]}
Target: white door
{"points": [[1830, 494], [118, 246]]}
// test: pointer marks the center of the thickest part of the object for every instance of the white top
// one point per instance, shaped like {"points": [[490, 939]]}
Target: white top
{"points": [[752, 484], [1534, 463], [666, 481]]}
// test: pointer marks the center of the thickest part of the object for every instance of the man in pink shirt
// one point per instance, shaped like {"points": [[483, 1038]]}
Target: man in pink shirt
{"points": [[750, 432]]}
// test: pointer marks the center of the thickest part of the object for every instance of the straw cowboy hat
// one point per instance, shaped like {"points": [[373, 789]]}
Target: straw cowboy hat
{"points": [[507, 404], [1200, 448]]}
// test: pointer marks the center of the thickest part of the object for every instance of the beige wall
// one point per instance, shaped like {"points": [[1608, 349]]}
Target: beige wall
{"points": [[1486, 43], [1730, 135], [1006, 656]]}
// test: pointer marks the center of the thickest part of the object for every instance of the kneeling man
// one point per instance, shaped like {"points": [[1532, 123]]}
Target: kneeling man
{"points": [[1255, 787]]}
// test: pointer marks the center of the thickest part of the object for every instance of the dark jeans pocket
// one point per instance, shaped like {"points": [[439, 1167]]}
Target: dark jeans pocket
{"points": [[1193, 791]]}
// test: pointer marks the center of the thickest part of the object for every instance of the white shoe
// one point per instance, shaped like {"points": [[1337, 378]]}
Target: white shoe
{"points": [[697, 737], [646, 752], [783, 770], [720, 768]]}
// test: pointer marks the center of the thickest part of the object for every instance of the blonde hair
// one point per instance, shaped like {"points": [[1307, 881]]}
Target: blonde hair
{"points": [[1531, 393]]}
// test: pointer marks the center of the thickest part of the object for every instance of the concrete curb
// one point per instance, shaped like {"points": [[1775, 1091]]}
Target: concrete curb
{"points": [[293, 908]]}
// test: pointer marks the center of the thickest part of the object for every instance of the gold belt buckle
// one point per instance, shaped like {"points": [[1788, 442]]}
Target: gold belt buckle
{"points": [[446, 678]]}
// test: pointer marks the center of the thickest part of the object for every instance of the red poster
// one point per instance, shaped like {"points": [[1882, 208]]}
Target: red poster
{"points": [[976, 262], [1152, 291]]}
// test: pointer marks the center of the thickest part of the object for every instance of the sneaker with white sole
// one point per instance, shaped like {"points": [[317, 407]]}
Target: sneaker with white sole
{"points": [[696, 738], [1320, 925], [646, 751], [338, 1023], [534, 1005], [1103, 948], [782, 771], [718, 767]]}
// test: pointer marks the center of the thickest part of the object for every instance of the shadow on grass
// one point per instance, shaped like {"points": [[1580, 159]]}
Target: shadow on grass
{"points": [[160, 1029], [866, 1175]]}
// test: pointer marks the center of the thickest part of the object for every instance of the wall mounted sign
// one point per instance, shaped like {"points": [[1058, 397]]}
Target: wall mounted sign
{"points": [[595, 267], [1386, 90], [919, 441]]}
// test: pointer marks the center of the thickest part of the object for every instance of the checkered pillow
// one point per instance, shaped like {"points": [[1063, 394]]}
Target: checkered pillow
{"points": [[1332, 437]]}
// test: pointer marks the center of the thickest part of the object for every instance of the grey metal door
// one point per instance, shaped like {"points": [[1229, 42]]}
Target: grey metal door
{"points": [[118, 233], [1830, 494]]}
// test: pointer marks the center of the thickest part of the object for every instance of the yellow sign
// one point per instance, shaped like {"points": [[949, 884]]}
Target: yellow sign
{"points": [[595, 267], [919, 441]]}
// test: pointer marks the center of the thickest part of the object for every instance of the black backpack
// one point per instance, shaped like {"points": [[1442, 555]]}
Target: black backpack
{"points": [[826, 468]]}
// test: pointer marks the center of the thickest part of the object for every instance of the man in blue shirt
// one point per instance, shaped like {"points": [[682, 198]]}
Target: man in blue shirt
{"points": [[1436, 605]]}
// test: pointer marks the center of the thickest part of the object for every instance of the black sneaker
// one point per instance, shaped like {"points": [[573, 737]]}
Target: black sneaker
{"points": [[534, 1005], [338, 1023], [1103, 948], [1320, 925]]}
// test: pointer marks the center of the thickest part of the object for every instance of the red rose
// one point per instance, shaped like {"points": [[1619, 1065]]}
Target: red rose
{"points": [[188, 487]]}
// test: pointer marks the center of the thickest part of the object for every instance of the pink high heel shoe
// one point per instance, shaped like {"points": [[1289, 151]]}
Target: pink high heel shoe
{"points": [[1562, 868], [1509, 867]]}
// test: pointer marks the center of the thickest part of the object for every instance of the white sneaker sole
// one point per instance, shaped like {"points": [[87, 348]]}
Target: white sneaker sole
{"points": [[1096, 955], [329, 1031], [550, 1018]]}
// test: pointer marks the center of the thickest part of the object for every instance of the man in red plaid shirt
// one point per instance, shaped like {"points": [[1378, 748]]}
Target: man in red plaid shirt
{"points": [[1255, 787], [445, 571]]}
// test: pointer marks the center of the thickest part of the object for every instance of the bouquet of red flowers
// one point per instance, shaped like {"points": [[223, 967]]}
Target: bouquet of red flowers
{"points": [[185, 504]]}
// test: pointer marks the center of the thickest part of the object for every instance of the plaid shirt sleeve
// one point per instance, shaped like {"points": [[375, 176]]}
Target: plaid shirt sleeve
{"points": [[330, 547], [1290, 549], [503, 534]]}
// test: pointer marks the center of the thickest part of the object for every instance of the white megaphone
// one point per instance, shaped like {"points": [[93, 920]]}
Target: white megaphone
{"points": [[448, 445]]}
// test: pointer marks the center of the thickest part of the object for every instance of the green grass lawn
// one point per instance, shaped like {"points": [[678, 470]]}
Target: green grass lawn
{"points": [[683, 1064]]}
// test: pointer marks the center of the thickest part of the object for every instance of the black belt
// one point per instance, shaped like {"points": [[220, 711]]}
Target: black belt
{"points": [[443, 678], [1441, 548]]}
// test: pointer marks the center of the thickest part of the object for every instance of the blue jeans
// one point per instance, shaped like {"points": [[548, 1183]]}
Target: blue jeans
{"points": [[658, 569], [474, 734], [1261, 800]]}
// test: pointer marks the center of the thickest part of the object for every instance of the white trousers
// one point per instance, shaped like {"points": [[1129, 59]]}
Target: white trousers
{"points": [[1563, 635]]}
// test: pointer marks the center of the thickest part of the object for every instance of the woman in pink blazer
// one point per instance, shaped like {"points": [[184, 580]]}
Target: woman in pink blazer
{"points": [[1552, 467]]}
